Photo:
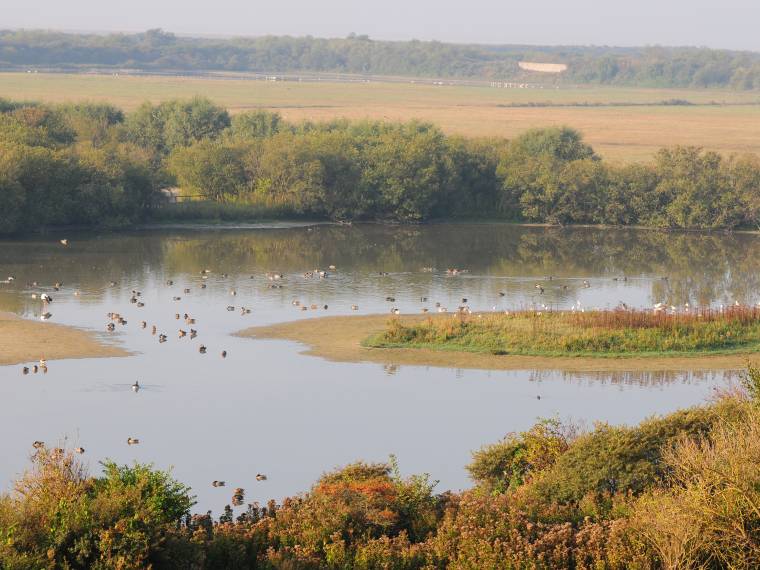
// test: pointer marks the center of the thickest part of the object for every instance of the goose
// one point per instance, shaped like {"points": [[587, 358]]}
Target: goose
{"points": [[38, 444], [64, 242], [132, 441], [136, 386], [261, 477], [218, 483], [79, 450]]}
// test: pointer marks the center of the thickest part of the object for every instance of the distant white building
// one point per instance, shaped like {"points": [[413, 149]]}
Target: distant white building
{"points": [[542, 67]]}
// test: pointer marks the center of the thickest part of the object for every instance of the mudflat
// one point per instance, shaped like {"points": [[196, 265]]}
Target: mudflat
{"points": [[340, 339], [28, 341]]}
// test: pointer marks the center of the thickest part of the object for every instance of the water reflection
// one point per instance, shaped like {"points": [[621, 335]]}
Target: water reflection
{"points": [[266, 408]]}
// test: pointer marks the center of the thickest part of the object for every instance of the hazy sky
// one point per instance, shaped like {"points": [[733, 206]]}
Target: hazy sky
{"points": [[725, 23]]}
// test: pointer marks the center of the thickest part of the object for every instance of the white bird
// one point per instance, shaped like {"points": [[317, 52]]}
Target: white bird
{"points": [[64, 242]]}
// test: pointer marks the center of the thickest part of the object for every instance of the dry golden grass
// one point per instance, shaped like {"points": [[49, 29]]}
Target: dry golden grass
{"points": [[340, 339], [27, 341], [618, 133]]}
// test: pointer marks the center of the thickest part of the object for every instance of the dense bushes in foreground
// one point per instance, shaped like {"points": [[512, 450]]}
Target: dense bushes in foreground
{"points": [[679, 491], [92, 165]]}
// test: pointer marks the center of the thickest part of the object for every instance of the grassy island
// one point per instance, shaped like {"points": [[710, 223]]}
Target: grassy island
{"points": [[613, 333]]}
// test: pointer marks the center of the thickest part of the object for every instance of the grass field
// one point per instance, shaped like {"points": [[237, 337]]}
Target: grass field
{"points": [[619, 132], [618, 333]]}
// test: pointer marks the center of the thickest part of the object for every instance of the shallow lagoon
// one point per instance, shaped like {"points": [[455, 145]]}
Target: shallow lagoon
{"points": [[266, 408]]}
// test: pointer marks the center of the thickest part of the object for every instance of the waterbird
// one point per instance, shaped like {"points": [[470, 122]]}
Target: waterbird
{"points": [[354, 307], [45, 298], [218, 483], [143, 324], [132, 441], [170, 282], [182, 333], [38, 444], [64, 242], [261, 477], [224, 354], [230, 308], [79, 450], [202, 349], [25, 370], [136, 386]]}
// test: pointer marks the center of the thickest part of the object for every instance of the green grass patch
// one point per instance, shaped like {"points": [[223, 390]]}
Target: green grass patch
{"points": [[616, 333]]}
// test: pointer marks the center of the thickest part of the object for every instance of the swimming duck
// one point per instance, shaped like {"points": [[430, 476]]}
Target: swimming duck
{"points": [[136, 386], [38, 444], [218, 483], [202, 349], [261, 477], [64, 242], [132, 441], [79, 450]]}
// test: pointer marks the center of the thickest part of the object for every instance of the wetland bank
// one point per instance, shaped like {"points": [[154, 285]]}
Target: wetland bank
{"points": [[186, 397]]}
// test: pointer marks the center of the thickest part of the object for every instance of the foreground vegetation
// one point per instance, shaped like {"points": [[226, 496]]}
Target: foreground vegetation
{"points": [[91, 164], [573, 333], [679, 491], [158, 50]]}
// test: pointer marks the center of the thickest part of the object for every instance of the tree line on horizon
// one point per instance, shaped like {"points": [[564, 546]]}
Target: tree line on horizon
{"points": [[94, 165], [157, 50]]}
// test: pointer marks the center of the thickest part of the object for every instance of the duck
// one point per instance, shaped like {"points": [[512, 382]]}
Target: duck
{"points": [[261, 477], [218, 483], [395, 311], [193, 333], [136, 386], [140, 304], [162, 338], [132, 441], [79, 450], [143, 324], [354, 307], [45, 298], [153, 329], [64, 242], [175, 298], [230, 308], [25, 370], [111, 327], [224, 354], [38, 444], [186, 291], [390, 299], [170, 282], [202, 349], [182, 333]]}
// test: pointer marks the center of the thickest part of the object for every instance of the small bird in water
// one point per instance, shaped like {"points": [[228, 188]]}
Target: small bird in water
{"points": [[132, 441], [79, 450], [25, 370], [136, 386], [224, 354], [65, 242], [218, 483], [38, 444], [202, 349], [261, 477]]}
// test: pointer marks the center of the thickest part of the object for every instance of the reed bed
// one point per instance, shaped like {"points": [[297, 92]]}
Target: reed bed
{"points": [[619, 332]]}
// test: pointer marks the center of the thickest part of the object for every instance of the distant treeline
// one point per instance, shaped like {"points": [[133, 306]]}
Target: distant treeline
{"points": [[92, 164], [158, 50]]}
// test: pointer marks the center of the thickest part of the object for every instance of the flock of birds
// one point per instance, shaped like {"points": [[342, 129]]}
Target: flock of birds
{"points": [[188, 330]]}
